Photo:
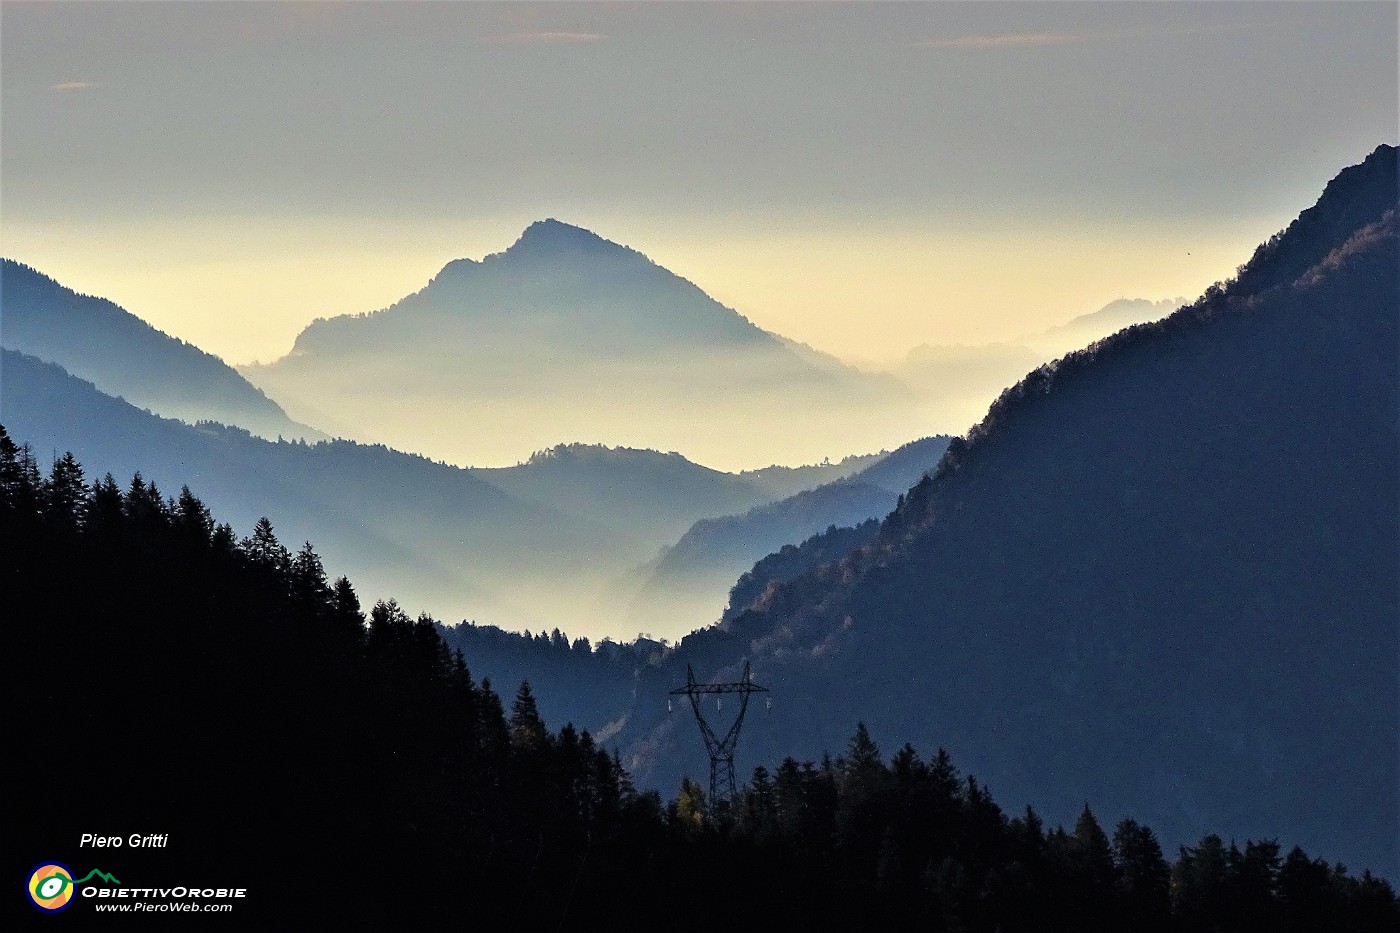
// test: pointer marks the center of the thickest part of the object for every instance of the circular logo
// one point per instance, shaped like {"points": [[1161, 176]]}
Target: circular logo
{"points": [[51, 887]]}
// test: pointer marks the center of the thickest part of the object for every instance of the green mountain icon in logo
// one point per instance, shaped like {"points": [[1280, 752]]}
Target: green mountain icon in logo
{"points": [[101, 874]]}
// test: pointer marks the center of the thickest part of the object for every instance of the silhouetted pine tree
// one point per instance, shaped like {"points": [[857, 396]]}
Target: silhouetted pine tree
{"points": [[238, 675], [1143, 877]]}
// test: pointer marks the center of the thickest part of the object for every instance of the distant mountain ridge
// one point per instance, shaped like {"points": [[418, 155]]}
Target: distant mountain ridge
{"points": [[955, 382], [551, 267], [529, 546], [693, 577], [1112, 317], [624, 489], [95, 339], [782, 481], [568, 336]]}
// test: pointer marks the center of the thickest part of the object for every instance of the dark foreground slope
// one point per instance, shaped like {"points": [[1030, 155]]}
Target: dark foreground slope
{"points": [[307, 765], [345, 772], [1161, 575]]}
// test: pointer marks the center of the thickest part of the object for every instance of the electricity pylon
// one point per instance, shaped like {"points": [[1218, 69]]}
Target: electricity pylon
{"points": [[721, 749]]}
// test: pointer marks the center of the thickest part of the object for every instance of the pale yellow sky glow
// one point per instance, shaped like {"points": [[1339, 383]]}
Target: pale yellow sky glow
{"points": [[243, 288], [860, 177]]}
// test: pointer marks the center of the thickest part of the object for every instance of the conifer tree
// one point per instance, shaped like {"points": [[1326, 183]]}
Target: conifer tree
{"points": [[308, 581], [1092, 850], [346, 610], [863, 755], [1198, 882], [494, 730], [144, 507], [223, 541], [908, 768], [105, 507], [1143, 876], [527, 730], [760, 803], [265, 551], [791, 793], [388, 627], [11, 473], [65, 494], [24, 482], [192, 519]]}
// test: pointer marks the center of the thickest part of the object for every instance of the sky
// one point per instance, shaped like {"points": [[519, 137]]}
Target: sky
{"points": [[864, 178]]}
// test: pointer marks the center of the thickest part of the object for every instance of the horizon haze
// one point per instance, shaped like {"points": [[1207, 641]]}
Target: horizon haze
{"points": [[863, 179]]}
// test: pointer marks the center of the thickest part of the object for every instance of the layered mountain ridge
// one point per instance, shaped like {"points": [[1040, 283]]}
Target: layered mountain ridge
{"points": [[690, 579], [96, 339], [517, 546]]}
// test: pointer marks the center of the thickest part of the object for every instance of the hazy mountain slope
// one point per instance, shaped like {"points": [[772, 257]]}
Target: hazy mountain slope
{"points": [[725, 545], [783, 481], [640, 494], [685, 588], [424, 533], [691, 578], [906, 466], [1111, 318], [97, 340], [955, 383], [635, 500], [437, 537], [566, 336], [1154, 571]]}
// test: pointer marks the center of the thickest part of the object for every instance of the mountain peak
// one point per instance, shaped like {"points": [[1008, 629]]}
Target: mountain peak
{"points": [[553, 237]]}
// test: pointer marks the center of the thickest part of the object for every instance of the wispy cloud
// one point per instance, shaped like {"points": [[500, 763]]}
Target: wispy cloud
{"points": [[74, 86], [1042, 40], [1007, 40], [555, 37]]}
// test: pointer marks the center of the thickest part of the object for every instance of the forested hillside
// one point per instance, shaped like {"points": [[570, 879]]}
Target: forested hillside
{"points": [[1155, 573], [228, 693], [690, 578]]}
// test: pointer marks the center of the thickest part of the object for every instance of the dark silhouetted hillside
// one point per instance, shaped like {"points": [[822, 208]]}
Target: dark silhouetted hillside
{"points": [[234, 693], [1160, 575], [576, 680], [793, 560]]}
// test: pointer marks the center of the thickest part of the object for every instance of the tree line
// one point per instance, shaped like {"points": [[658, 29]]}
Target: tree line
{"points": [[346, 766]]}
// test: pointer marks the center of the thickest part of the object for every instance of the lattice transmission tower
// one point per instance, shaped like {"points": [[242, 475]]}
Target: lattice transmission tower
{"points": [[721, 749]]}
